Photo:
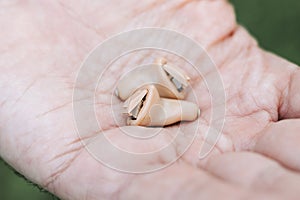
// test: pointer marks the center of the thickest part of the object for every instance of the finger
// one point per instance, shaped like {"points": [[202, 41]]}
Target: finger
{"points": [[254, 171], [293, 97], [281, 141], [291, 103]]}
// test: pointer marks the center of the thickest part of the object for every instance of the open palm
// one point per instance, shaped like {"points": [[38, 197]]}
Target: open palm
{"points": [[43, 45]]}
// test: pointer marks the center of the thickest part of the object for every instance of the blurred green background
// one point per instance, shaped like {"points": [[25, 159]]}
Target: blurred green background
{"points": [[274, 23]]}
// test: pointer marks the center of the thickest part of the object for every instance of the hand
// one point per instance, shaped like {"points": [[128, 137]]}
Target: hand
{"points": [[43, 44]]}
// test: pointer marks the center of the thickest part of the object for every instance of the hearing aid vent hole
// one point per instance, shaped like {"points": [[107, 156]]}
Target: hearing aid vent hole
{"points": [[135, 112], [177, 84]]}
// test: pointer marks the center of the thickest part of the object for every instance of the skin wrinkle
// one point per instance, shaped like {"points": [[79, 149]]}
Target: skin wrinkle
{"points": [[240, 53], [76, 18], [153, 22], [273, 112], [26, 150], [256, 119], [230, 139], [266, 173], [70, 151], [258, 137], [290, 82], [274, 131], [50, 181], [185, 185], [127, 184], [251, 112], [57, 175], [162, 160], [23, 93], [78, 140], [281, 101], [219, 149], [153, 5], [111, 124], [182, 5], [273, 117], [284, 109], [237, 55], [54, 109], [103, 180], [62, 168], [64, 42], [253, 54], [178, 154], [271, 174], [232, 98], [246, 76], [223, 36], [190, 181], [198, 80], [26, 90], [267, 177], [217, 145], [227, 36], [169, 15], [200, 137], [240, 146], [20, 158]]}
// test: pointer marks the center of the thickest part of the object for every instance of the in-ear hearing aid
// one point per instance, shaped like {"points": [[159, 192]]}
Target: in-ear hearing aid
{"points": [[170, 81], [145, 107]]}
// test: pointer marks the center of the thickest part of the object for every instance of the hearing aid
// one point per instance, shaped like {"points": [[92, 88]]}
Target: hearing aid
{"points": [[145, 107], [170, 81]]}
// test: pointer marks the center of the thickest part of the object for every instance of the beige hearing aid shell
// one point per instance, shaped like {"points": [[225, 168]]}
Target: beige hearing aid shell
{"points": [[170, 81], [145, 108]]}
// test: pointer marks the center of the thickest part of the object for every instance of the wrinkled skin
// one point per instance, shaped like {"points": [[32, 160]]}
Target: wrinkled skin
{"points": [[42, 46]]}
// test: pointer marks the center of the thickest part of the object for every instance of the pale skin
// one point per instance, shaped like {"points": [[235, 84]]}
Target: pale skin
{"points": [[42, 46]]}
